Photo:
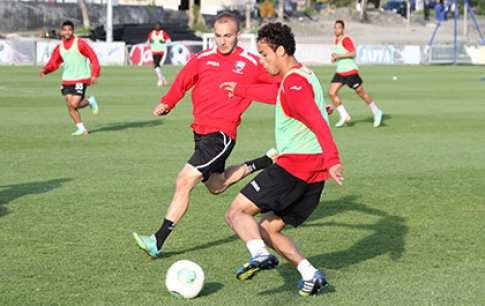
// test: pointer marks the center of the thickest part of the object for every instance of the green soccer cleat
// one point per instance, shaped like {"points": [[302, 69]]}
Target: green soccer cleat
{"points": [[342, 121], [313, 286], [148, 244], [80, 132], [377, 119], [93, 105], [256, 264]]}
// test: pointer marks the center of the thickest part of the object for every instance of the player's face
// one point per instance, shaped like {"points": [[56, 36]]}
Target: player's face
{"points": [[338, 29], [227, 36], [67, 32], [268, 58]]}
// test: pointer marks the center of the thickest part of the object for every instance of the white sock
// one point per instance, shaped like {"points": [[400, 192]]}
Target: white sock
{"points": [[343, 113], [306, 269], [80, 126], [256, 247], [159, 73], [374, 108]]}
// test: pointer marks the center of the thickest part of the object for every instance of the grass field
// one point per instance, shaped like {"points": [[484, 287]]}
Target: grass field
{"points": [[406, 228]]}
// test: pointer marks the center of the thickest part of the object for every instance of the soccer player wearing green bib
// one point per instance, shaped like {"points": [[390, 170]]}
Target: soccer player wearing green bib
{"points": [[288, 191], [78, 73], [158, 39], [348, 73]]}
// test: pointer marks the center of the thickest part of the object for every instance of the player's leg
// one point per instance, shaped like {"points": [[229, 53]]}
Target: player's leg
{"points": [[295, 214], [219, 182], [187, 179], [240, 217], [368, 100], [157, 58], [335, 86]]}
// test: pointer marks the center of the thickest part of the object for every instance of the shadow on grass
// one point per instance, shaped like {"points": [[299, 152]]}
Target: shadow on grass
{"points": [[209, 289], [126, 125], [386, 237], [9, 193]]}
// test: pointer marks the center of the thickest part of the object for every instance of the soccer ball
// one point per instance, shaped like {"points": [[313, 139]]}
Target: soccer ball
{"points": [[184, 279]]}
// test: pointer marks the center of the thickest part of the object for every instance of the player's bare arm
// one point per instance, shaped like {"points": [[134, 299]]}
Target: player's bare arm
{"points": [[94, 80]]}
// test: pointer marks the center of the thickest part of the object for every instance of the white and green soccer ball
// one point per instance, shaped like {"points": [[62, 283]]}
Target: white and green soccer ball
{"points": [[185, 279]]}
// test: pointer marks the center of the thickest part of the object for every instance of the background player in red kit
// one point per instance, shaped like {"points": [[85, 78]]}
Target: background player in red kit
{"points": [[216, 118], [77, 75]]}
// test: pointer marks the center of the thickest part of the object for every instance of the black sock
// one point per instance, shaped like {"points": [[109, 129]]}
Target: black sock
{"points": [[165, 230], [259, 163]]}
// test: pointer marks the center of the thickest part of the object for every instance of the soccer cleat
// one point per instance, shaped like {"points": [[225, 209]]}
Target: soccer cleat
{"points": [[148, 244], [313, 286], [80, 132], [256, 264], [159, 82], [93, 105], [164, 83], [342, 121], [273, 154], [377, 119]]}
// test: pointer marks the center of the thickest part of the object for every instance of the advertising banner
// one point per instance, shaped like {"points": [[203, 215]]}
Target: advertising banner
{"points": [[17, 52]]}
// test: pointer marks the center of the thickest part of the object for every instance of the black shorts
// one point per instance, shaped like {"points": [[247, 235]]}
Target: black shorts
{"points": [[211, 153], [290, 198], [79, 89], [156, 60], [353, 80]]}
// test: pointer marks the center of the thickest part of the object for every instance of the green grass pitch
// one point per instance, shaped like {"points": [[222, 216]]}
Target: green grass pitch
{"points": [[406, 228]]}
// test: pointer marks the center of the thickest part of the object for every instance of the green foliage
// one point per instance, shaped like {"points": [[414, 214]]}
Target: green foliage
{"points": [[406, 228]]}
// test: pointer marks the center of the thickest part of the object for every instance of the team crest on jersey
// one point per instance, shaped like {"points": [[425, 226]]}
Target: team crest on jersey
{"points": [[239, 66]]}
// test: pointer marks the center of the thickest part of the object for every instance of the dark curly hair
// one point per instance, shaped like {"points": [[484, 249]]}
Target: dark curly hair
{"points": [[276, 34]]}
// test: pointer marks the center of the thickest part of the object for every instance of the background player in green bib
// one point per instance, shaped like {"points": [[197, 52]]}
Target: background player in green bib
{"points": [[348, 73], [158, 40], [81, 69], [287, 192]]}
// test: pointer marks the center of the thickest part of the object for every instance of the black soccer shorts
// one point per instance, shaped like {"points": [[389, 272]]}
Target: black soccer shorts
{"points": [[353, 80], [211, 153], [290, 198]]}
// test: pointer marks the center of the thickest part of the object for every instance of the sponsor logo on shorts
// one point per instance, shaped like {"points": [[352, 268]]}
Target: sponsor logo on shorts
{"points": [[255, 185], [356, 85]]}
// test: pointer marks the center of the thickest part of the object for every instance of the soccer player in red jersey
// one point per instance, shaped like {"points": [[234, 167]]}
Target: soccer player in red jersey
{"points": [[158, 40], [216, 118], [348, 73], [287, 192], [77, 75]]}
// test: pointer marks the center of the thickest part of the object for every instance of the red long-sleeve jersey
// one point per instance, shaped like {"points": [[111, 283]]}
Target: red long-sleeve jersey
{"points": [[56, 59], [297, 101], [213, 110]]}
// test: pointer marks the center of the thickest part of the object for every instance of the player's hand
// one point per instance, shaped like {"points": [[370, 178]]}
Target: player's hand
{"points": [[42, 72], [229, 87], [161, 109], [329, 108], [334, 57], [94, 80], [336, 173]]}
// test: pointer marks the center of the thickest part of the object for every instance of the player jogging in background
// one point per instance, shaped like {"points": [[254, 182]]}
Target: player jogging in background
{"points": [[287, 192], [158, 39], [348, 73], [77, 75], [216, 118]]}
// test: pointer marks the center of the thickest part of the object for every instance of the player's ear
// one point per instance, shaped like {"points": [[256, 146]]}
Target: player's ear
{"points": [[280, 51]]}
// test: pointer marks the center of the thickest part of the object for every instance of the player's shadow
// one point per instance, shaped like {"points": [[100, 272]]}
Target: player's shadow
{"points": [[9, 193], [386, 236], [126, 125]]}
